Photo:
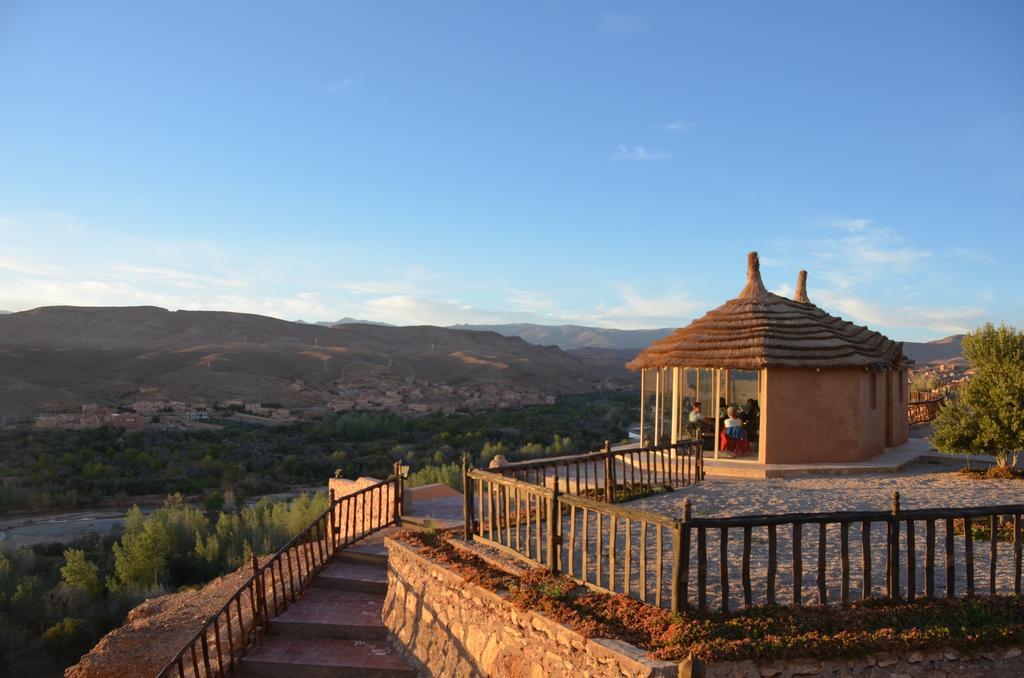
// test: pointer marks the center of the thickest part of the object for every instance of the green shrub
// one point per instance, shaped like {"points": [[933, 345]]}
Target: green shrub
{"points": [[68, 639]]}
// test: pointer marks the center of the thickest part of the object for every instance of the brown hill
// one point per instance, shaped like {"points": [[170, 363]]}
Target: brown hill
{"points": [[572, 337], [938, 351], [55, 356]]}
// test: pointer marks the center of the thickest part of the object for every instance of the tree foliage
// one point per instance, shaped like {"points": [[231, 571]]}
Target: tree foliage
{"points": [[68, 639], [160, 550], [78, 573], [49, 469], [988, 415]]}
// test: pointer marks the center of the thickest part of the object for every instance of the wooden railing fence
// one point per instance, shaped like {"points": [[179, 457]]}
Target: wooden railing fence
{"points": [[921, 411], [610, 474], [615, 548], [711, 564], [556, 512], [908, 556], [229, 633]]}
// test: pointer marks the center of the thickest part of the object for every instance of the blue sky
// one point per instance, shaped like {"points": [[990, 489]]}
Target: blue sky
{"points": [[554, 162]]}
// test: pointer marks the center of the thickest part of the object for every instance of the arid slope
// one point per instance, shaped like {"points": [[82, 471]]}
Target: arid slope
{"points": [[54, 356]]}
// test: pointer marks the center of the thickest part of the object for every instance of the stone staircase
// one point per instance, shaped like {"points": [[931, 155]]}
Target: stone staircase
{"points": [[335, 628]]}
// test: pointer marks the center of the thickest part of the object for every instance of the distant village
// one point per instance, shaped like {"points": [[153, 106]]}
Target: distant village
{"points": [[149, 408], [938, 377]]}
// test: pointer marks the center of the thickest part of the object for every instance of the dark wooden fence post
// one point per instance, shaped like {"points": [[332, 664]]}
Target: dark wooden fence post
{"points": [[609, 473], [257, 582], [677, 566], [684, 559], [397, 492], [894, 549], [467, 501], [554, 522], [330, 525]]}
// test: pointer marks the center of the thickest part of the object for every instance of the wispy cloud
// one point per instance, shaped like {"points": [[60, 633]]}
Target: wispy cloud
{"points": [[973, 256], [29, 267], [638, 310], [638, 153], [946, 319], [178, 278], [852, 225], [620, 23], [679, 126], [863, 252], [341, 86], [874, 275]]}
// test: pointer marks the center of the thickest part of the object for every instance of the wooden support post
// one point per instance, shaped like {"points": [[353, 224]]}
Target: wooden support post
{"points": [[684, 578], [677, 399], [643, 405], [677, 566], [656, 438], [609, 473], [894, 549], [397, 495], [330, 525], [715, 408], [257, 582], [467, 502], [949, 562], [554, 522]]}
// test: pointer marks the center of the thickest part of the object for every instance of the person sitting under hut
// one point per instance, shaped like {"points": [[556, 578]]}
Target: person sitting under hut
{"points": [[696, 416], [734, 436], [696, 421], [733, 424]]}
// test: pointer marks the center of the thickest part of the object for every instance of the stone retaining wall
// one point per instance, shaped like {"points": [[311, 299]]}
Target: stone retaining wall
{"points": [[450, 627]]}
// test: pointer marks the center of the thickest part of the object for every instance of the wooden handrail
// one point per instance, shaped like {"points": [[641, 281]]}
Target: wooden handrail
{"points": [[290, 571], [544, 511]]}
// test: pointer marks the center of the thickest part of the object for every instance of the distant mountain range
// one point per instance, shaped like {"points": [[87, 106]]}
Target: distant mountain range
{"points": [[575, 336], [63, 355], [940, 350], [66, 355], [625, 344], [345, 321]]}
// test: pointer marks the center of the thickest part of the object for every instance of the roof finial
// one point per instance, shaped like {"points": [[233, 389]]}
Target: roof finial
{"points": [[801, 288], [754, 288]]}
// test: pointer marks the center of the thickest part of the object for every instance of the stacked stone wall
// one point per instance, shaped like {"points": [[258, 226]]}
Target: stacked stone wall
{"points": [[450, 627]]}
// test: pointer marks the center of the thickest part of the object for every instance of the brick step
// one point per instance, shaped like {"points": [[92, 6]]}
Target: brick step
{"points": [[374, 553], [332, 613], [353, 576], [287, 657]]}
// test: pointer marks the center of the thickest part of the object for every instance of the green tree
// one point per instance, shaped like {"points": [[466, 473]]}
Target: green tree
{"points": [[79, 573], [924, 383], [214, 502], [160, 550], [27, 602], [69, 639], [988, 416]]}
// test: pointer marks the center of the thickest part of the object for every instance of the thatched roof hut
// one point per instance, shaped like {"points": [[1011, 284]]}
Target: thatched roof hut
{"points": [[815, 387], [759, 329]]}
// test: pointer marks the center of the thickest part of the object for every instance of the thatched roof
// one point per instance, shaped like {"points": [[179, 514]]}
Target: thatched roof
{"points": [[760, 329]]}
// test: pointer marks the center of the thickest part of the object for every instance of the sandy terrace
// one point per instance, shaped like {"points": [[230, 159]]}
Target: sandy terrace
{"points": [[922, 485]]}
